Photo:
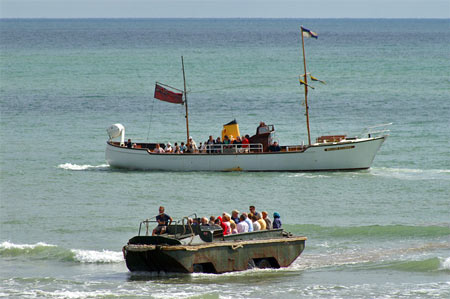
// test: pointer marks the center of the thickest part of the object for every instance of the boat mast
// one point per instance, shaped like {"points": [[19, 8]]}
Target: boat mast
{"points": [[185, 102], [306, 88]]}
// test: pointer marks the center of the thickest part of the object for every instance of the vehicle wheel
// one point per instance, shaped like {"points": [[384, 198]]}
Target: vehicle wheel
{"points": [[198, 268], [264, 264], [251, 264]]}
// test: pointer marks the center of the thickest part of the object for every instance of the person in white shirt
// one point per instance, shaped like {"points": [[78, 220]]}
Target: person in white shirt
{"points": [[242, 226]]}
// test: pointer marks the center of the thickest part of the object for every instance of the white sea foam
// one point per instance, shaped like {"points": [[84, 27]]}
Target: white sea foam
{"points": [[92, 256], [445, 264], [9, 245], [411, 173], [70, 166]]}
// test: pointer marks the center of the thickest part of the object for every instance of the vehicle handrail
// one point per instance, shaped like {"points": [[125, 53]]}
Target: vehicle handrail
{"points": [[146, 222]]}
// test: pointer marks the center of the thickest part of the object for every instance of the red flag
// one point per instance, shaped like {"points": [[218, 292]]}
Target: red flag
{"points": [[166, 95]]}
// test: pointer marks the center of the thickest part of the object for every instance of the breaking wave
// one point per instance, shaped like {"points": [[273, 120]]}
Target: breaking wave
{"points": [[70, 166], [44, 251]]}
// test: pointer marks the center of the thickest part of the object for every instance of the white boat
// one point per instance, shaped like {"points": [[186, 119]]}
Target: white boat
{"points": [[328, 153]]}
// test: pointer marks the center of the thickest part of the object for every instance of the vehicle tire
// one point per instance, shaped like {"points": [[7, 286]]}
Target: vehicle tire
{"points": [[264, 264], [198, 268]]}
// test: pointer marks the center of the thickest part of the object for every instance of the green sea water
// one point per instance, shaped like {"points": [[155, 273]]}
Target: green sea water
{"points": [[65, 215]]}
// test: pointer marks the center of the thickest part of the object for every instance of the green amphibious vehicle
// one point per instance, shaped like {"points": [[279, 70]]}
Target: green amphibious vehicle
{"points": [[186, 248]]}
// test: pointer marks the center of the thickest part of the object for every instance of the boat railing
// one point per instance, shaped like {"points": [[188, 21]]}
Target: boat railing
{"points": [[233, 148], [375, 131]]}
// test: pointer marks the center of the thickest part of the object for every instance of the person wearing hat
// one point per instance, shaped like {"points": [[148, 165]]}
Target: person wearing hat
{"points": [[169, 148], [276, 221], [235, 216]]}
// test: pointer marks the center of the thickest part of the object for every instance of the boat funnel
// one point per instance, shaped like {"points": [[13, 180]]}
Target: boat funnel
{"points": [[231, 129], [117, 130]]}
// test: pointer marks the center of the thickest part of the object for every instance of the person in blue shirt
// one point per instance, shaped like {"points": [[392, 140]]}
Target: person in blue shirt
{"points": [[163, 220], [249, 222], [276, 221]]}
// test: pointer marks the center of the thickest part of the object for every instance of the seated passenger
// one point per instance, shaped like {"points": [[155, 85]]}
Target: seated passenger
{"points": [[129, 144], [163, 220], [168, 148], [274, 147], [158, 149], [242, 226], [233, 228], [256, 225], [267, 220], [204, 221], [226, 140], [248, 221], [261, 222], [226, 224], [276, 221], [235, 216], [182, 148], [212, 220], [176, 149], [191, 146]]}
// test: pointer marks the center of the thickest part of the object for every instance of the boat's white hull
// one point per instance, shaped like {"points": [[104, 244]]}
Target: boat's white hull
{"points": [[348, 155]]}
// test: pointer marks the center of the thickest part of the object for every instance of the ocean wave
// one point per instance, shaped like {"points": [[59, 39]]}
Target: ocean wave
{"points": [[70, 166], [92, 256], [378, 231], [44, 251]]}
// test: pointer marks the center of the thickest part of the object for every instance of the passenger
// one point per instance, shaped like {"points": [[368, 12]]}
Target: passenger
{"points": [[176, 148], [226, 224], [267, 220], [183, 148], [191, 146], [168, 148], [256, 225], [212, 220], [204, 221], [262, 128], [242, 226], [235, 216], [218, 147], [248, 221], [163, 220], [276, 221], [158, 149], [261, 222], [245, 141], [202, 147], [226, 140], [253, 211], [210, 144], [129, 144], [274, 147], [233, 228]]}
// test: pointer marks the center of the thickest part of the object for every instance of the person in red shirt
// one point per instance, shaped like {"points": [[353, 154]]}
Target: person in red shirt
{"points": [[245, 141]]}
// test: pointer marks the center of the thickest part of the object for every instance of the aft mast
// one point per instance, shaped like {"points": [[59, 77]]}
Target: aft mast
{"points": [[306, 86]]}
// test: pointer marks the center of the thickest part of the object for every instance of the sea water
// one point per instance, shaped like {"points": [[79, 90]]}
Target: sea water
{"points": [[65, 215]]}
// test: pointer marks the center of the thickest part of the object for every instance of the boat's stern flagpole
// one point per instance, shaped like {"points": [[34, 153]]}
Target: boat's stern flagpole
{"points": [[306, 87], [185, 101]]}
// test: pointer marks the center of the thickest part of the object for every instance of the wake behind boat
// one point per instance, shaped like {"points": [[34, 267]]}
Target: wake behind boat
{"points": [[261, 153]]}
